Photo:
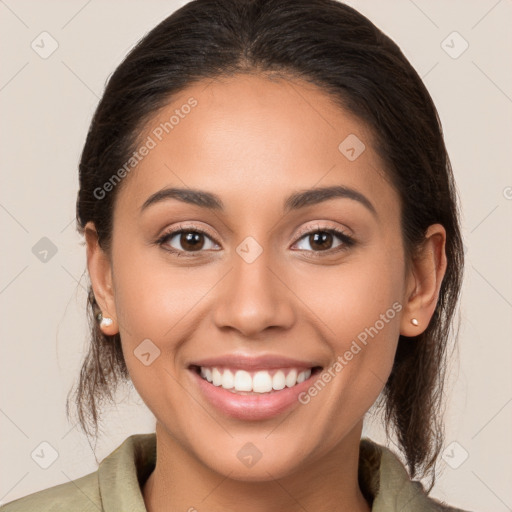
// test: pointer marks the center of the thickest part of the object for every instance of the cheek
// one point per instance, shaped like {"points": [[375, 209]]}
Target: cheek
{"points": [[159, 302], [359, 312], [156, 304], [351, 297], [153, 297], [369, 319]]}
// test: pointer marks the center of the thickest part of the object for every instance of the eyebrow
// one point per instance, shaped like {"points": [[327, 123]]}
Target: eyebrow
{"points": [[295, 201]]}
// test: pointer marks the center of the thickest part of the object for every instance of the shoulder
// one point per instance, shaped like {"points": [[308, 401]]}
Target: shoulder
{"points": [[386, 482], [114, 486], [80, 494]]}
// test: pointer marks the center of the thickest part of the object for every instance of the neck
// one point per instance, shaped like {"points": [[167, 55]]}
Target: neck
{"points": [[181, 482]]}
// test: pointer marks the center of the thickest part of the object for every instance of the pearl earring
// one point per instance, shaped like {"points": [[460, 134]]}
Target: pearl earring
{"points": [[414, 321], [104, 321]]}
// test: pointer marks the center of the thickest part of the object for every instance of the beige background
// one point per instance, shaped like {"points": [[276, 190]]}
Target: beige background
{"points": [[46, 106]]}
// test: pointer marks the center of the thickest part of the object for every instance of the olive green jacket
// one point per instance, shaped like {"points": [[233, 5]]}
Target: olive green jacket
{"points": [[116, 485]]}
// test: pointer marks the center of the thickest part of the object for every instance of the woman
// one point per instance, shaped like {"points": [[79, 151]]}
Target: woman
{"points": [[274, 246]]}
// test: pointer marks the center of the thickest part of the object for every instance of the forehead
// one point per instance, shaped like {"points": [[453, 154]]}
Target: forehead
{"points": [[254, 140]]}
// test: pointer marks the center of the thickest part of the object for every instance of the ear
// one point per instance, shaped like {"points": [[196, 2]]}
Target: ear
{"points": [[424, 281], [100, 273]]}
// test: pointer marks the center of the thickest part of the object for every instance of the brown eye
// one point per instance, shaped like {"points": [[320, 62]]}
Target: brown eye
{"points": [[323, 240], [191, 241], [182, 241]]}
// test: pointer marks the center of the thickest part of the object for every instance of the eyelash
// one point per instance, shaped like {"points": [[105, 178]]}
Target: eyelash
{"points": [[347, 240]]}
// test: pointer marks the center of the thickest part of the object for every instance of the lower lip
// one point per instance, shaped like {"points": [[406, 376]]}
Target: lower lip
{"points": [[251, 407]]}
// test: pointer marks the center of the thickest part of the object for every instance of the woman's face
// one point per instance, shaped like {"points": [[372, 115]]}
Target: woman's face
{"points": [[248, 286]]}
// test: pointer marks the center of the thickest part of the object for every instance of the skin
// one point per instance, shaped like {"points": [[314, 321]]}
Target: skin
{"points": [[253, 142]]}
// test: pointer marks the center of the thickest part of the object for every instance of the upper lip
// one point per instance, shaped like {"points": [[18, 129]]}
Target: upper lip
{"points": [[251, 363]]}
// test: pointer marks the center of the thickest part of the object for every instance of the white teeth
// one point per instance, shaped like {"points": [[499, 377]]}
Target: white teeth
{"points": [[243, 381], [291, 379], [217, 377], [278, 380], [228, 380], [258, 382], [262, 382]]}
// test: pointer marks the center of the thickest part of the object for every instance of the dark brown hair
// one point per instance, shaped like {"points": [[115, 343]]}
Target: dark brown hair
{"points": [[335, 47]]}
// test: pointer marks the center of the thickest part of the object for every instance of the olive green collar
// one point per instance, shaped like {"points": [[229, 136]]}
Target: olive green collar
{"points": [[382, 477]]}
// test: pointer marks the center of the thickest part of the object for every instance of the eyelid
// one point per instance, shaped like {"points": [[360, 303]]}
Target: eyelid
{"points": [[319, 227]]}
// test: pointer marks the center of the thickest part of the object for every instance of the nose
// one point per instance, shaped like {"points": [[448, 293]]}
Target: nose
{"points": [[253, 297]]}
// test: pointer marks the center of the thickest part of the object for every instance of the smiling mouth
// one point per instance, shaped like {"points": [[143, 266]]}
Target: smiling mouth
{"points": [[254, 382]]}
